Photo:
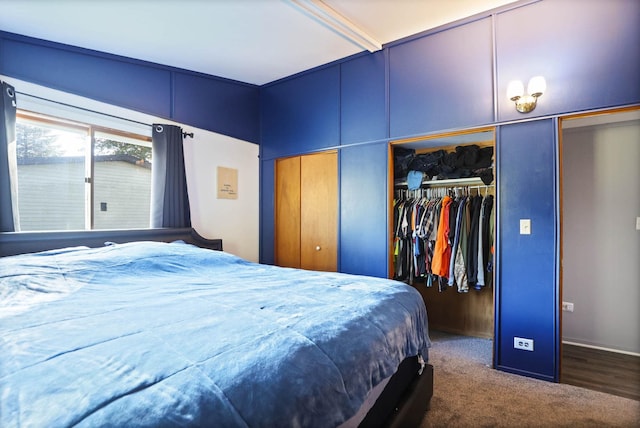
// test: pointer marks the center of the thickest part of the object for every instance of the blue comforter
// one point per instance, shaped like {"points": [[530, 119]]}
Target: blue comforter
{"points": [[157, 334]]}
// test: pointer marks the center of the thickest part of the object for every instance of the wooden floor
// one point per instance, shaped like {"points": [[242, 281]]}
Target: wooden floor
{"points": [[604, 371]]}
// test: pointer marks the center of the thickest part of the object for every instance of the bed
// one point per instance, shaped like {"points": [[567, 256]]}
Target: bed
{"points": [[151, 333]]}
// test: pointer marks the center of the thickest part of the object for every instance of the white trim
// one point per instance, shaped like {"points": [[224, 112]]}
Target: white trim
{"points": [[324, 14], [601, 348]]}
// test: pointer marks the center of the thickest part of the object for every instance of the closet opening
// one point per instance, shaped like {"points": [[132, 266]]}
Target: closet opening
{"points": [[442, 207], [599, 250]]}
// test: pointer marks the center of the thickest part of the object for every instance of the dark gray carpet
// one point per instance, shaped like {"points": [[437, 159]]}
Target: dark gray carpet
{"points": [[467, 392]]}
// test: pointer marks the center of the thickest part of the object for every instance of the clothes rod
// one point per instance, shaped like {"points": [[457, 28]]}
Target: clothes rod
{"points": [[82, 108], [451, 182]]}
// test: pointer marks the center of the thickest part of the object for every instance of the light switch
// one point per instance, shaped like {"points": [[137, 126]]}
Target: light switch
{"points": [[637, 223], [525, 226]]}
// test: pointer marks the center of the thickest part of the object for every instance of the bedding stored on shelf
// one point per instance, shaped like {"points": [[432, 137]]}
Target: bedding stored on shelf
{"points": [[150, 333]]}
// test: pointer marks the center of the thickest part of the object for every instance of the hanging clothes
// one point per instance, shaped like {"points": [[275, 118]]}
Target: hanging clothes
{"points": [[443, 239]]}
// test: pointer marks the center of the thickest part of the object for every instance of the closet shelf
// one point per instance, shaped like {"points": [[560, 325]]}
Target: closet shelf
{"points": [[471, 181]]}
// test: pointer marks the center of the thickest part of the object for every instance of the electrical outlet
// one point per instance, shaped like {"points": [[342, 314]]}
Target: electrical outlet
{"points": [[567, 306], [521, 343]]}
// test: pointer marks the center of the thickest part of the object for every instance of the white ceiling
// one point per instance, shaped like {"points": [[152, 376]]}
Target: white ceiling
{"points": [[253, 41]]}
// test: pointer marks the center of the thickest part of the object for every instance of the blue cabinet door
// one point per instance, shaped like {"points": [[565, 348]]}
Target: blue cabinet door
{"points": [[527, 280], [587, 51], [442, 81]]}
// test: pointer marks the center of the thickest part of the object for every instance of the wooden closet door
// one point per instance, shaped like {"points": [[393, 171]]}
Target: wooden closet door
{"points": [[319, 211], [287, 215]]}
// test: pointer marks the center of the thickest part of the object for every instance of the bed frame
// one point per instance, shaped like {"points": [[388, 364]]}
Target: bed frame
{"points": [[405, 399], [403, 402], [12, 243]]}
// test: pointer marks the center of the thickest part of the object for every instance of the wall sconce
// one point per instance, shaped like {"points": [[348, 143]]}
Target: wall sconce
{"points": [[525, 103]]}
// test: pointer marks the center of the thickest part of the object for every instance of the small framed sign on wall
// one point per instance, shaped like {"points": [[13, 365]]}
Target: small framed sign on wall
{"points": [[227, 183]]}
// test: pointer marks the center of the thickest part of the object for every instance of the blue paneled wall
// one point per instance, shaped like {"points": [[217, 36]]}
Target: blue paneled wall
{"points": [[267, 211], [442, 81], [526, 302], [363, 101], [301, 115], [218, 105], [130, 84], [364, 201], [208, 102], [451, 78], [588, 53]]}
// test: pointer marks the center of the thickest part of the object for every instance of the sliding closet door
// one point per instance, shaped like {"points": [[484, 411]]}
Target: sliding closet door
{"points": [[319, 211]]}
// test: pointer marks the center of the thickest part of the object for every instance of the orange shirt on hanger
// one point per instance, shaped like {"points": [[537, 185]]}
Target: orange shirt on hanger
{"points": [[442, 251]]}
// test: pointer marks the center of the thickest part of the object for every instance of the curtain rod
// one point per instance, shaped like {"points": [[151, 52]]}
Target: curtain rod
{"points": [[83, 108], [184, 134]]}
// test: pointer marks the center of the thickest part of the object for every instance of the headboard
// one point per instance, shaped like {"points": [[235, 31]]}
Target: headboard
{"points": [[12, 243]]}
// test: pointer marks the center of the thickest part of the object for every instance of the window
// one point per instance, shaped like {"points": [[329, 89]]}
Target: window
{"points": [[74, 176]]}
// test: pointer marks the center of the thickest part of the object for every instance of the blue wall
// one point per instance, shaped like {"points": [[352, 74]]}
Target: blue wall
{"points": [[442, 81], [363, 236], [301, 115], [588, 54], [456, 77], [363, 101], [526, 300], [208, 102], [267, 211]]}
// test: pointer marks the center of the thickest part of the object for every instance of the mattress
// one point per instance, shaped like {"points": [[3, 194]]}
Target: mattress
{"points": [[169, 334]]}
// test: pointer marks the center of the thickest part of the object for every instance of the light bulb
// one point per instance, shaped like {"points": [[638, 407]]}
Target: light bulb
{"points": [[515, 89], [537, 86]]}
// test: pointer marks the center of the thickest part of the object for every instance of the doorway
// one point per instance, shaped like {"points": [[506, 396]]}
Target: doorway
{"points": [[600, 249]]}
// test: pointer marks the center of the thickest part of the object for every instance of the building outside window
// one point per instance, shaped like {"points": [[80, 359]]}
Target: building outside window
{"points": [[77, 176]]}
